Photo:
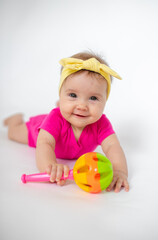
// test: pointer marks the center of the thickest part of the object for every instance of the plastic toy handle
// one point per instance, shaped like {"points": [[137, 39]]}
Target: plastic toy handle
{"points": [[43, 177]]}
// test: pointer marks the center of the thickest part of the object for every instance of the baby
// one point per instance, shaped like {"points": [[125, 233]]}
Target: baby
{"points": [[78, 125]]}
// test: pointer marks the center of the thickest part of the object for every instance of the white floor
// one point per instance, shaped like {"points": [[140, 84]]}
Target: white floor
{"points": [[37, 211], [33, 40]]}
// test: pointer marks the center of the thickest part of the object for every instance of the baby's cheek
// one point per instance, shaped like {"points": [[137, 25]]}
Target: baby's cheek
{"points": [[98, 111]]}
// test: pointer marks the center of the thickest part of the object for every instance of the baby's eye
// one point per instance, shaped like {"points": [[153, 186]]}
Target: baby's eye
{"points": [[73, 95], [93, 98]]}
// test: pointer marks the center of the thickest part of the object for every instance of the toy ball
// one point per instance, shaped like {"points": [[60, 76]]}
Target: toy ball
{"points": [[93, 172]]}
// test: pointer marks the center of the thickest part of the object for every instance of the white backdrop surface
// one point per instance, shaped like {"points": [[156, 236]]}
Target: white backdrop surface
{"points": [[35, 35]]}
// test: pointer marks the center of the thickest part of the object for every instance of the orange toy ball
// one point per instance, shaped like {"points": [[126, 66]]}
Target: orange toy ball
{"points": [[93, 172]]}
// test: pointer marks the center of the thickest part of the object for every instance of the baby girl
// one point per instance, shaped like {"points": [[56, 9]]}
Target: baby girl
{"points": [[77, 125]]}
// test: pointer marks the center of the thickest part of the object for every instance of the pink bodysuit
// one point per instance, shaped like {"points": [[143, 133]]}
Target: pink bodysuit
{"points": [[66, 145]]}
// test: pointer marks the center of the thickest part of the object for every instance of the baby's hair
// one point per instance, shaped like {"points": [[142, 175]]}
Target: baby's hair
{"points": [[87, 55]]}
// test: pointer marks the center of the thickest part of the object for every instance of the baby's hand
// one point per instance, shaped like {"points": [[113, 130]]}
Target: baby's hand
{"points": [[56, 171], [119, 180]]}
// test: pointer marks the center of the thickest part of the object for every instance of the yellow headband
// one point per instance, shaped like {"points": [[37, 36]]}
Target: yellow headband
{"points": [[72, 65]]}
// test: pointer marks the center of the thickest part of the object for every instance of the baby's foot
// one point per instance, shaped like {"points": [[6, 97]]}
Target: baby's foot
{"points": [[13, 120]]}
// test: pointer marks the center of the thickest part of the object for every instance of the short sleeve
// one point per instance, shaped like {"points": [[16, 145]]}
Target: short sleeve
{"points": [[52, 123], [105, 129]]}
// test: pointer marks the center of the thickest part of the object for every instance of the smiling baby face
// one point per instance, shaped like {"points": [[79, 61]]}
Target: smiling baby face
{"points": [[83, 98]]}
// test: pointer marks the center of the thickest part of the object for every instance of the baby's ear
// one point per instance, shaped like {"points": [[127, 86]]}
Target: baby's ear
{"points": [[57, 103]]}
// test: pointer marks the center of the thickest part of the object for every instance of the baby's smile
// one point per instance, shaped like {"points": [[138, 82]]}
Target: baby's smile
{"points": [[79, 115]]}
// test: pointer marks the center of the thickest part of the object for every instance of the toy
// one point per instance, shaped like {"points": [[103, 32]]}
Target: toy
{"points": [[92, 172]]}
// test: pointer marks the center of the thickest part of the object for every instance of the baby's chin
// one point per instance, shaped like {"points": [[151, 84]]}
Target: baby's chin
{"points": [[80, 126]]}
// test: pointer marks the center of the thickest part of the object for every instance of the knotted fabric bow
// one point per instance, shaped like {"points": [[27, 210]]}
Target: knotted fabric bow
{"points": [[72, 65]]}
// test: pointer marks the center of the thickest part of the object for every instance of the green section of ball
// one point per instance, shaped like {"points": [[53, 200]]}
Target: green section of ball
{"points": [[105, 170]]}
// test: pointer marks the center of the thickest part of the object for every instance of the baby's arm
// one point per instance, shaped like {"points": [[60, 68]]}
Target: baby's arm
{"points": [[46, 159], [112, 149]]}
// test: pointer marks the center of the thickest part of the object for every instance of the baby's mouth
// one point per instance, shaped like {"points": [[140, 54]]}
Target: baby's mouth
{"points": [[79, 115]]}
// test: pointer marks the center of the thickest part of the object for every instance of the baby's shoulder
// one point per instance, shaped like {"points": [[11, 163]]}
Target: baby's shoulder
{"points": [[103, 119], [103, 122], [56, 116], [55, 113]]}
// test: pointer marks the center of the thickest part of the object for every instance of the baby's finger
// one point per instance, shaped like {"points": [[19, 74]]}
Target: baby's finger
{"points": [[118, 185], [53, 173], [48, 169], [66, 171], [111, 186], [61, 182], [59, 172], [126, 185]]}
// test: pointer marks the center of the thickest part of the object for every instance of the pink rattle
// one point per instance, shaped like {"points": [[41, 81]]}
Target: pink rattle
{"points": [[92, 172]]}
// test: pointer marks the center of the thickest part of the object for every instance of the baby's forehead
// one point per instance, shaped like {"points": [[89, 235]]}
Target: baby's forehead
{"points": [[85, 81]]}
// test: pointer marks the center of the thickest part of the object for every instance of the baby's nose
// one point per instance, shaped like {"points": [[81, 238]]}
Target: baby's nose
{"points": [[82, 106]]}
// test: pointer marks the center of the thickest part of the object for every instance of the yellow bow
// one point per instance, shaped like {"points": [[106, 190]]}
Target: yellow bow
{"points": [[72, 65]]}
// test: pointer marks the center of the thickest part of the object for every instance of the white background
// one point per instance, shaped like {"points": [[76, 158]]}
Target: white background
{"points": [[35, 35]]}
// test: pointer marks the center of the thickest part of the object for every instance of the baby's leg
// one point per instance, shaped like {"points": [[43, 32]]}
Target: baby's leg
{"points": [[17, 130]]}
